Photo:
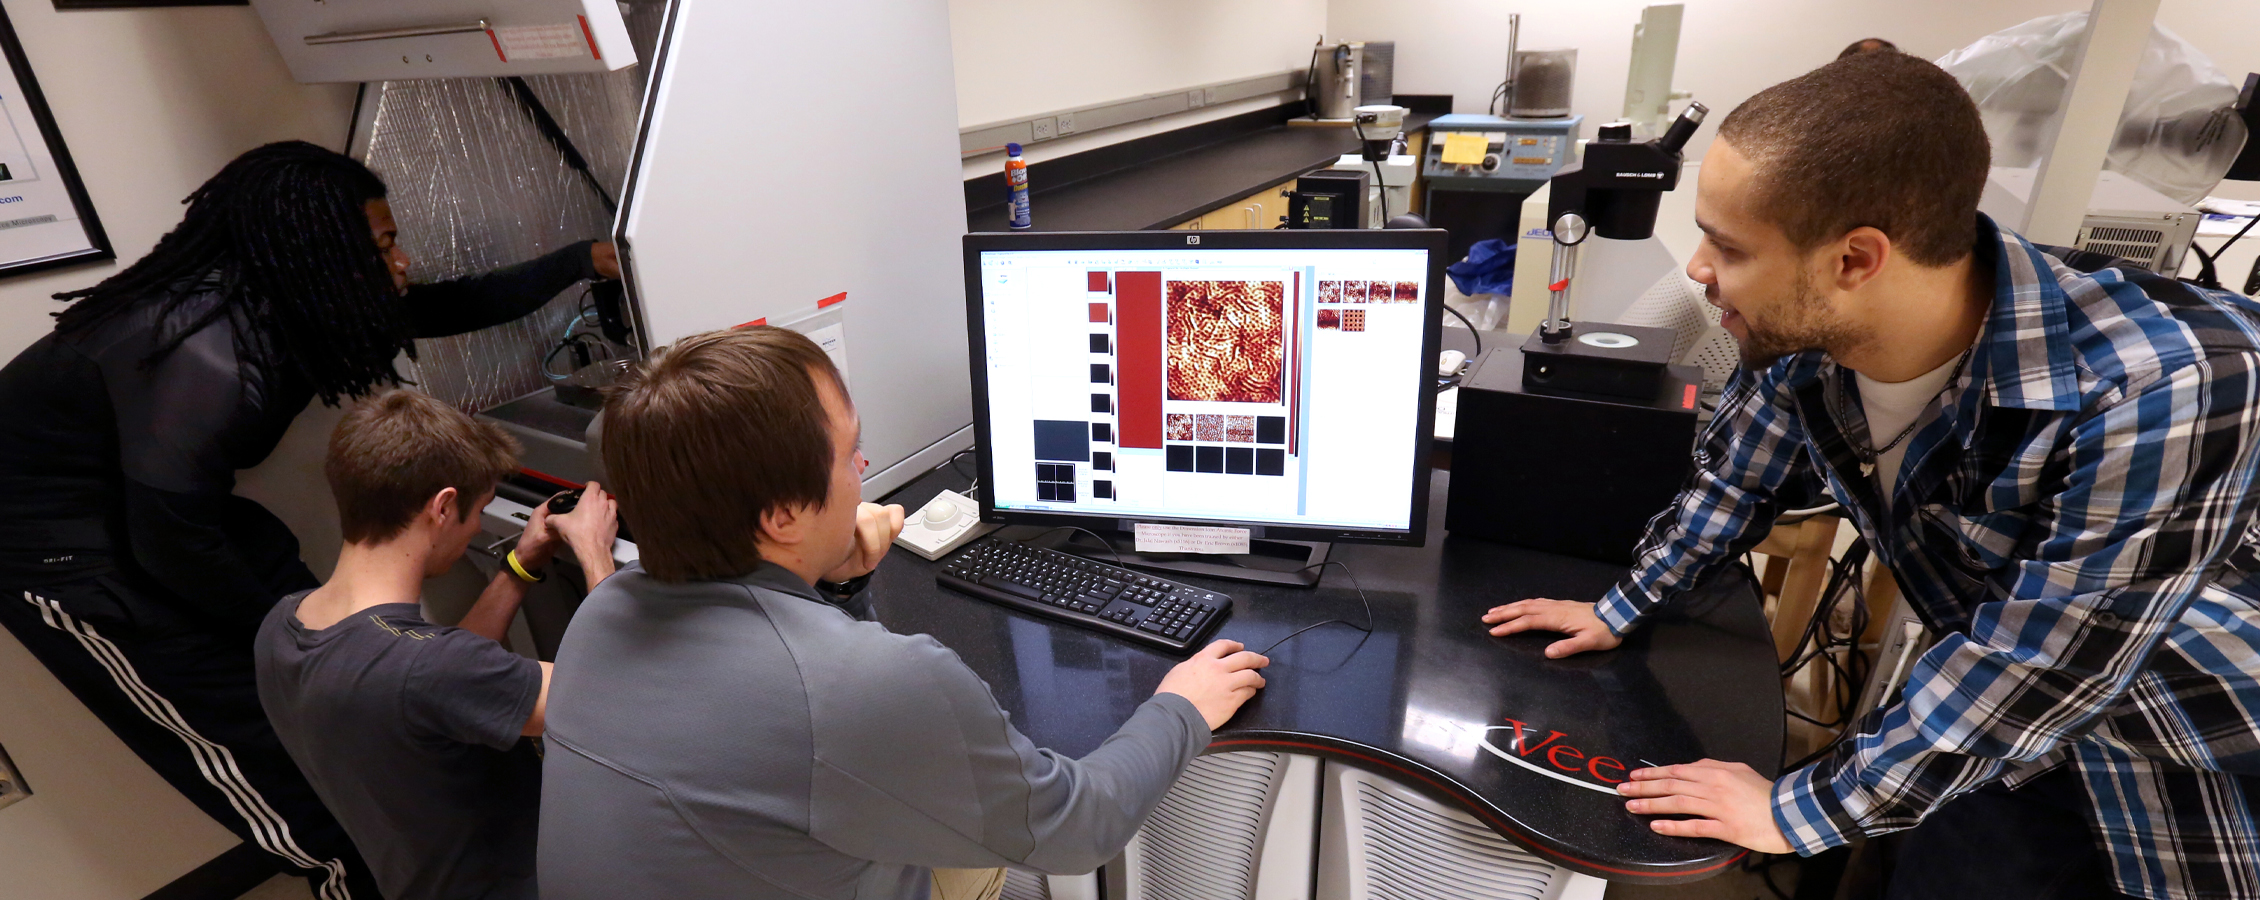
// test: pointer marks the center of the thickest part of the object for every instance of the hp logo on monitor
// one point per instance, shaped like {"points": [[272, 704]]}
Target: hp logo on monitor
{"points": [[1192, 239]]}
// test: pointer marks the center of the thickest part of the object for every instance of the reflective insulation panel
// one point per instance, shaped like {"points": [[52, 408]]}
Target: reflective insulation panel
{"points": [[474, 186]]}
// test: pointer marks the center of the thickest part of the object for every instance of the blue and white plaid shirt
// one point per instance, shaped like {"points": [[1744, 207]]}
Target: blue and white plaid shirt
{"points": [[2076, 516]]}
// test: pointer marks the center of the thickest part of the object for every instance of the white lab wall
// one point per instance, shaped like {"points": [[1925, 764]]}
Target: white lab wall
{"points": [[1728, 49], [151, 103], [1018, 59]]}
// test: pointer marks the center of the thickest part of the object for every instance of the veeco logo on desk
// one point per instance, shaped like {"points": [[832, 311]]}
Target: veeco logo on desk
{"points": [[1550, 755], [1556, 753]]}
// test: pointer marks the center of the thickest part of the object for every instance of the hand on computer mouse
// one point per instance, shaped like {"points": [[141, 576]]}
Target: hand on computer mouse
{"points": [[1583, 626], [1217, 680]]}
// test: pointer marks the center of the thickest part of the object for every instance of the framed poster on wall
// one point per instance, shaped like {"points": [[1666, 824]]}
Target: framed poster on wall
{"points": [[46, 219]]}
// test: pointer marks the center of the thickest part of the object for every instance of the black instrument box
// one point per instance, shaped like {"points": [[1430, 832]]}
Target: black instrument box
{"points": [[1575, 474], [1622, 361]]}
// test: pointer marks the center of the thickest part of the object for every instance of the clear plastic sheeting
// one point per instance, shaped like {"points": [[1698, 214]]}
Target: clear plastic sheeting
{"points": [[2178, 133], [474, 186]]}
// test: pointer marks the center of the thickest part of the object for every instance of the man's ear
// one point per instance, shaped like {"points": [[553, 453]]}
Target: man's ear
{"points": [[1860, 256], [785, 526], [439, 511]]}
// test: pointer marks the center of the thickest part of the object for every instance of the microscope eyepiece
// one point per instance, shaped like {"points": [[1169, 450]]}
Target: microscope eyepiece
{"points": [[1683, 127]]}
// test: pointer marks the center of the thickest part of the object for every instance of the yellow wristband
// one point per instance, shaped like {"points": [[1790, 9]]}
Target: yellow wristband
{"points": [[519, 569]]}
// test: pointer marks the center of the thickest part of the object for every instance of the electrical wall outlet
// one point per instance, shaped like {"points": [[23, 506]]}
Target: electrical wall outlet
{"points": [[1196, 98], [1044, 128], [1208, 96], [12, 786], [1066, 124]]}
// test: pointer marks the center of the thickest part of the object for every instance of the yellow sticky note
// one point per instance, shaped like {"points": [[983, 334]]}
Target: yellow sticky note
{"points": [[1463, 148]]}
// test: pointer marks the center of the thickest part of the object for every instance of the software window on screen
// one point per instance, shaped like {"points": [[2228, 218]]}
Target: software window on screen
{"points": [[1259, 386]]}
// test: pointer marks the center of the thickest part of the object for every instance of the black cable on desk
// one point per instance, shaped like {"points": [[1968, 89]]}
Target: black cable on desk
{"points": [[1817, 640], [1382, 188], [1103, 542], [2207, 275], [1470, 329], [972, 492], [1368, 629]]}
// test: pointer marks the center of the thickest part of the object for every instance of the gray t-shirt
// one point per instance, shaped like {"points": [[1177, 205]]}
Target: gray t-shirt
{"points": [[409, 732], [745, 738]]}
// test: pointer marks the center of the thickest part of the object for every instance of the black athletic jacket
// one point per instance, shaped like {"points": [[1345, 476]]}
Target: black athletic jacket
{"points": [[108, 464]]}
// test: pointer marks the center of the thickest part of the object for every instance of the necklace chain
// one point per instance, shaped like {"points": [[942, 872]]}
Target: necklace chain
{"points": [[1867, 455]]}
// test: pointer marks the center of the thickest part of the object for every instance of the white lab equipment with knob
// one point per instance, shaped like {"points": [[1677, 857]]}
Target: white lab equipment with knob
{"points": [[742, 209], [392, 40]]}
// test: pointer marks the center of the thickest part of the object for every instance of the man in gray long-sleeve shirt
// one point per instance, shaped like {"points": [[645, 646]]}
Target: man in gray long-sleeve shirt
{"points": [[727, 721]]}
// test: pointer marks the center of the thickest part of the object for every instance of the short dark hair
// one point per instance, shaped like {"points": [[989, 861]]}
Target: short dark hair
{"points": [[1868, 45], [390, 455], [1885, 140], [715, 431]]}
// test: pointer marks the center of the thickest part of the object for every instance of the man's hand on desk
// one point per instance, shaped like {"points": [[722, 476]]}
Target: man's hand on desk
{"points": [[875, 530], [1584, 628], [1217, 680], [1733, 802]]}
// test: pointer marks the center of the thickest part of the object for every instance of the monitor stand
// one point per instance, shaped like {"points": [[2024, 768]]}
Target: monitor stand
{"points": [[1289, 563]]}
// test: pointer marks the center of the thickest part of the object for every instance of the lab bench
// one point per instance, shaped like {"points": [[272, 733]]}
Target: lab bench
{"points": [[1408, 747], [1182, 177]]}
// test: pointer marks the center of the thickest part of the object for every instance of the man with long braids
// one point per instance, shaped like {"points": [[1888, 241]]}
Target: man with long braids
{"points": [[127, 565]]}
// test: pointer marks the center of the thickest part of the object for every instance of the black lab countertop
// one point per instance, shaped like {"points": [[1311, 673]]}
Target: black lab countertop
{"points": [[1526, 744]]}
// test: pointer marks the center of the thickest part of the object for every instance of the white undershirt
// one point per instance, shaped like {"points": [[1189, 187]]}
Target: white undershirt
{"points": [[1890, 407]]}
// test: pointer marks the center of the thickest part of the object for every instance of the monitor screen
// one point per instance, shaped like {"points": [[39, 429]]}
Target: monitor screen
{"points": [[1279, 380]]}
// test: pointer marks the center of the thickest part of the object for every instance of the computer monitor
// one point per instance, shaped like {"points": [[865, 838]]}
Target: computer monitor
{"points": [[1279, 381]]}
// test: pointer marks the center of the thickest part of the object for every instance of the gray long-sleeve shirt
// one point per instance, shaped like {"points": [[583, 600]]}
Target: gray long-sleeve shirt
{"points": [[746, 739]]}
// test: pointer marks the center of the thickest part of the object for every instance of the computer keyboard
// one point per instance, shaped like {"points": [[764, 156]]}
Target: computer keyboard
{"points": [[1104, 598]]}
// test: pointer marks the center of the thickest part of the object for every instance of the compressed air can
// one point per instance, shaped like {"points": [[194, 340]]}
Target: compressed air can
{"points": [[1016, 178]]}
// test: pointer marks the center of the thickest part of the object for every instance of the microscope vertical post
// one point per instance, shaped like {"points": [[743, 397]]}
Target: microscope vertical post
{"points": [[1569, 232]]}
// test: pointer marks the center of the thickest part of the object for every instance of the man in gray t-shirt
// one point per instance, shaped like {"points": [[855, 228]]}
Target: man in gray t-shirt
{"points": [[413, 734], [728, 722]]}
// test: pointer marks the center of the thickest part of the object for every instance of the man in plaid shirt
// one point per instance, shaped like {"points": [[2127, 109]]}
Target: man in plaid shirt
{"points": [[2055, 456]]}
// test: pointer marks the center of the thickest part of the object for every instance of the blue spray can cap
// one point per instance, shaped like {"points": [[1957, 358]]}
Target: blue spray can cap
{"points": [[1012, 149]]}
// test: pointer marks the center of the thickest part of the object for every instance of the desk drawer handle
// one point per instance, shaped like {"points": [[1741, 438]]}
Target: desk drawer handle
{"points": [[383, 34]]}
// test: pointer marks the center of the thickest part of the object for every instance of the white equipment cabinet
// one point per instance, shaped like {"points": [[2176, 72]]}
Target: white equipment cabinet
{"points": [[794, 154], [1280, 826], [386, 40], [1381, 841], [1237, 826]]}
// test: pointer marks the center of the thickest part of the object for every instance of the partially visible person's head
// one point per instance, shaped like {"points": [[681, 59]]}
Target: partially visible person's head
{"points": [[404, 465], [730, 446], [1868, 45], [1820, 183], [299, 241]]}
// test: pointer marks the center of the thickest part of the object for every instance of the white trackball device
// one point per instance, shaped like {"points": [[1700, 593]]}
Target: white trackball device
{"points": [[947, 522]]}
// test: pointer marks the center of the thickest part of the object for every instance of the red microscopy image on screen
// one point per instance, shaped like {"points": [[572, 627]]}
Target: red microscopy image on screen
{"points": [[1240, 429], [1408, 292], [1330, 318], [1208, 427], [1225, 339], [1329, 292], [1180, 427], [1353, 320], [1355, 291]]}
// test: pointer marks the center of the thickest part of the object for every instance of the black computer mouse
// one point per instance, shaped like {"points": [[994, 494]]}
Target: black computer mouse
{"points": [[564, 503]]}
